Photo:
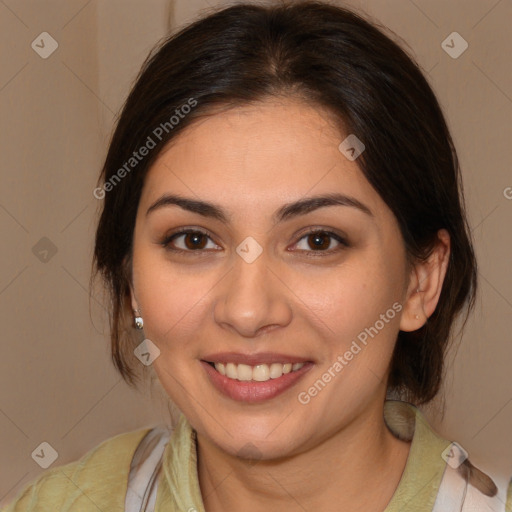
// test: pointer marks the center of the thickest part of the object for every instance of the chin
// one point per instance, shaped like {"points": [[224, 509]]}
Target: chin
{"points": [[252, 439]]}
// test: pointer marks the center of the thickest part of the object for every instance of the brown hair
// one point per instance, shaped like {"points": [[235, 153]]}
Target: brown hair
{"points": [[330, 57]]}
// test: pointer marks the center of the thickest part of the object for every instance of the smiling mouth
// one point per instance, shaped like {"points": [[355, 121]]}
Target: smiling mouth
{"points": [[257, 373]]}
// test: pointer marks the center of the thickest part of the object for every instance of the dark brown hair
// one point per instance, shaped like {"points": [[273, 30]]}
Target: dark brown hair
{"points": [[330, 57]]}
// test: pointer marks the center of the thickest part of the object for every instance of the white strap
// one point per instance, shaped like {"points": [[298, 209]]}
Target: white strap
{"points": [[145, 469], [456, 494]]}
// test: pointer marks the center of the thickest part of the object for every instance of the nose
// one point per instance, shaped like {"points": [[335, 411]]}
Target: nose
{"points": [[252, 299]]}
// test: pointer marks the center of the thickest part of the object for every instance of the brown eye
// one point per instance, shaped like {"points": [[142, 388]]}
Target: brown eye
{"points": [[187, 241], [321, 241], [194, 240]]}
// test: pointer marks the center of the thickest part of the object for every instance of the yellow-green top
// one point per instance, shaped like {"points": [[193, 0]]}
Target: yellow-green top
{"points": [[98, 481]]}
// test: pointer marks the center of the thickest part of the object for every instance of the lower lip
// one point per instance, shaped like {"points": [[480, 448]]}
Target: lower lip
{"points": [[251, 391]]}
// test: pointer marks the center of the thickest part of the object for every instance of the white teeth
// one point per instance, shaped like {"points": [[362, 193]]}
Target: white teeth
{"points": [[276, 370], [259, 373], [244, 372], [231, 371]]}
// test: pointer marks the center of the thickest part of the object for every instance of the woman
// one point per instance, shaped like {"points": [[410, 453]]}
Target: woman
{"points": [[283, 225]]}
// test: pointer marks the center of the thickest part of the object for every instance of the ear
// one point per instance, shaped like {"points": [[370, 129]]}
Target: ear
{"points": [[425, 285]]}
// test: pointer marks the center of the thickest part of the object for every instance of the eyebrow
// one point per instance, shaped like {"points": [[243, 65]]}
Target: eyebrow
{"points": [[285, 212]]}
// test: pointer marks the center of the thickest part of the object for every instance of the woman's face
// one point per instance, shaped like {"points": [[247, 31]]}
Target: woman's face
{"points": [[273, 277]]}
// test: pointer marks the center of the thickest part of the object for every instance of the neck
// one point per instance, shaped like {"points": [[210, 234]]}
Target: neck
{"points": [[344, 472]]}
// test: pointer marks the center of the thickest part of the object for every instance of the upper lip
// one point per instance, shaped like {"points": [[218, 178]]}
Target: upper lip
{"points": [[253, 359]]}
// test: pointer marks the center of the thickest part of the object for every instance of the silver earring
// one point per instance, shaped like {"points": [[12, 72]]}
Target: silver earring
{"points": [[139, 322]]}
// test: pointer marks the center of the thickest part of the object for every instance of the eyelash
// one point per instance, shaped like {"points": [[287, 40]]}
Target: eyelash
{"points": [[169, 238]]}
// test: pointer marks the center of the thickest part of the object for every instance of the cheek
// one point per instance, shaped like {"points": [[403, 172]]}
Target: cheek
{"points": [[360, 304], [172, 300], [350, 298], [375, 325]]}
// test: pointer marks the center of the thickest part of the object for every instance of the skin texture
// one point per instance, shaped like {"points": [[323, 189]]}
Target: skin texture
{"points": [[294, 299]]}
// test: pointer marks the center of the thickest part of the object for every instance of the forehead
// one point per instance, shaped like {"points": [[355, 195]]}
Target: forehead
{"points": [[256, 155]]}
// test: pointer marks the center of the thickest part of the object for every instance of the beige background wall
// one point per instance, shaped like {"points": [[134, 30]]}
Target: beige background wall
{"points": [[56, 380]]}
